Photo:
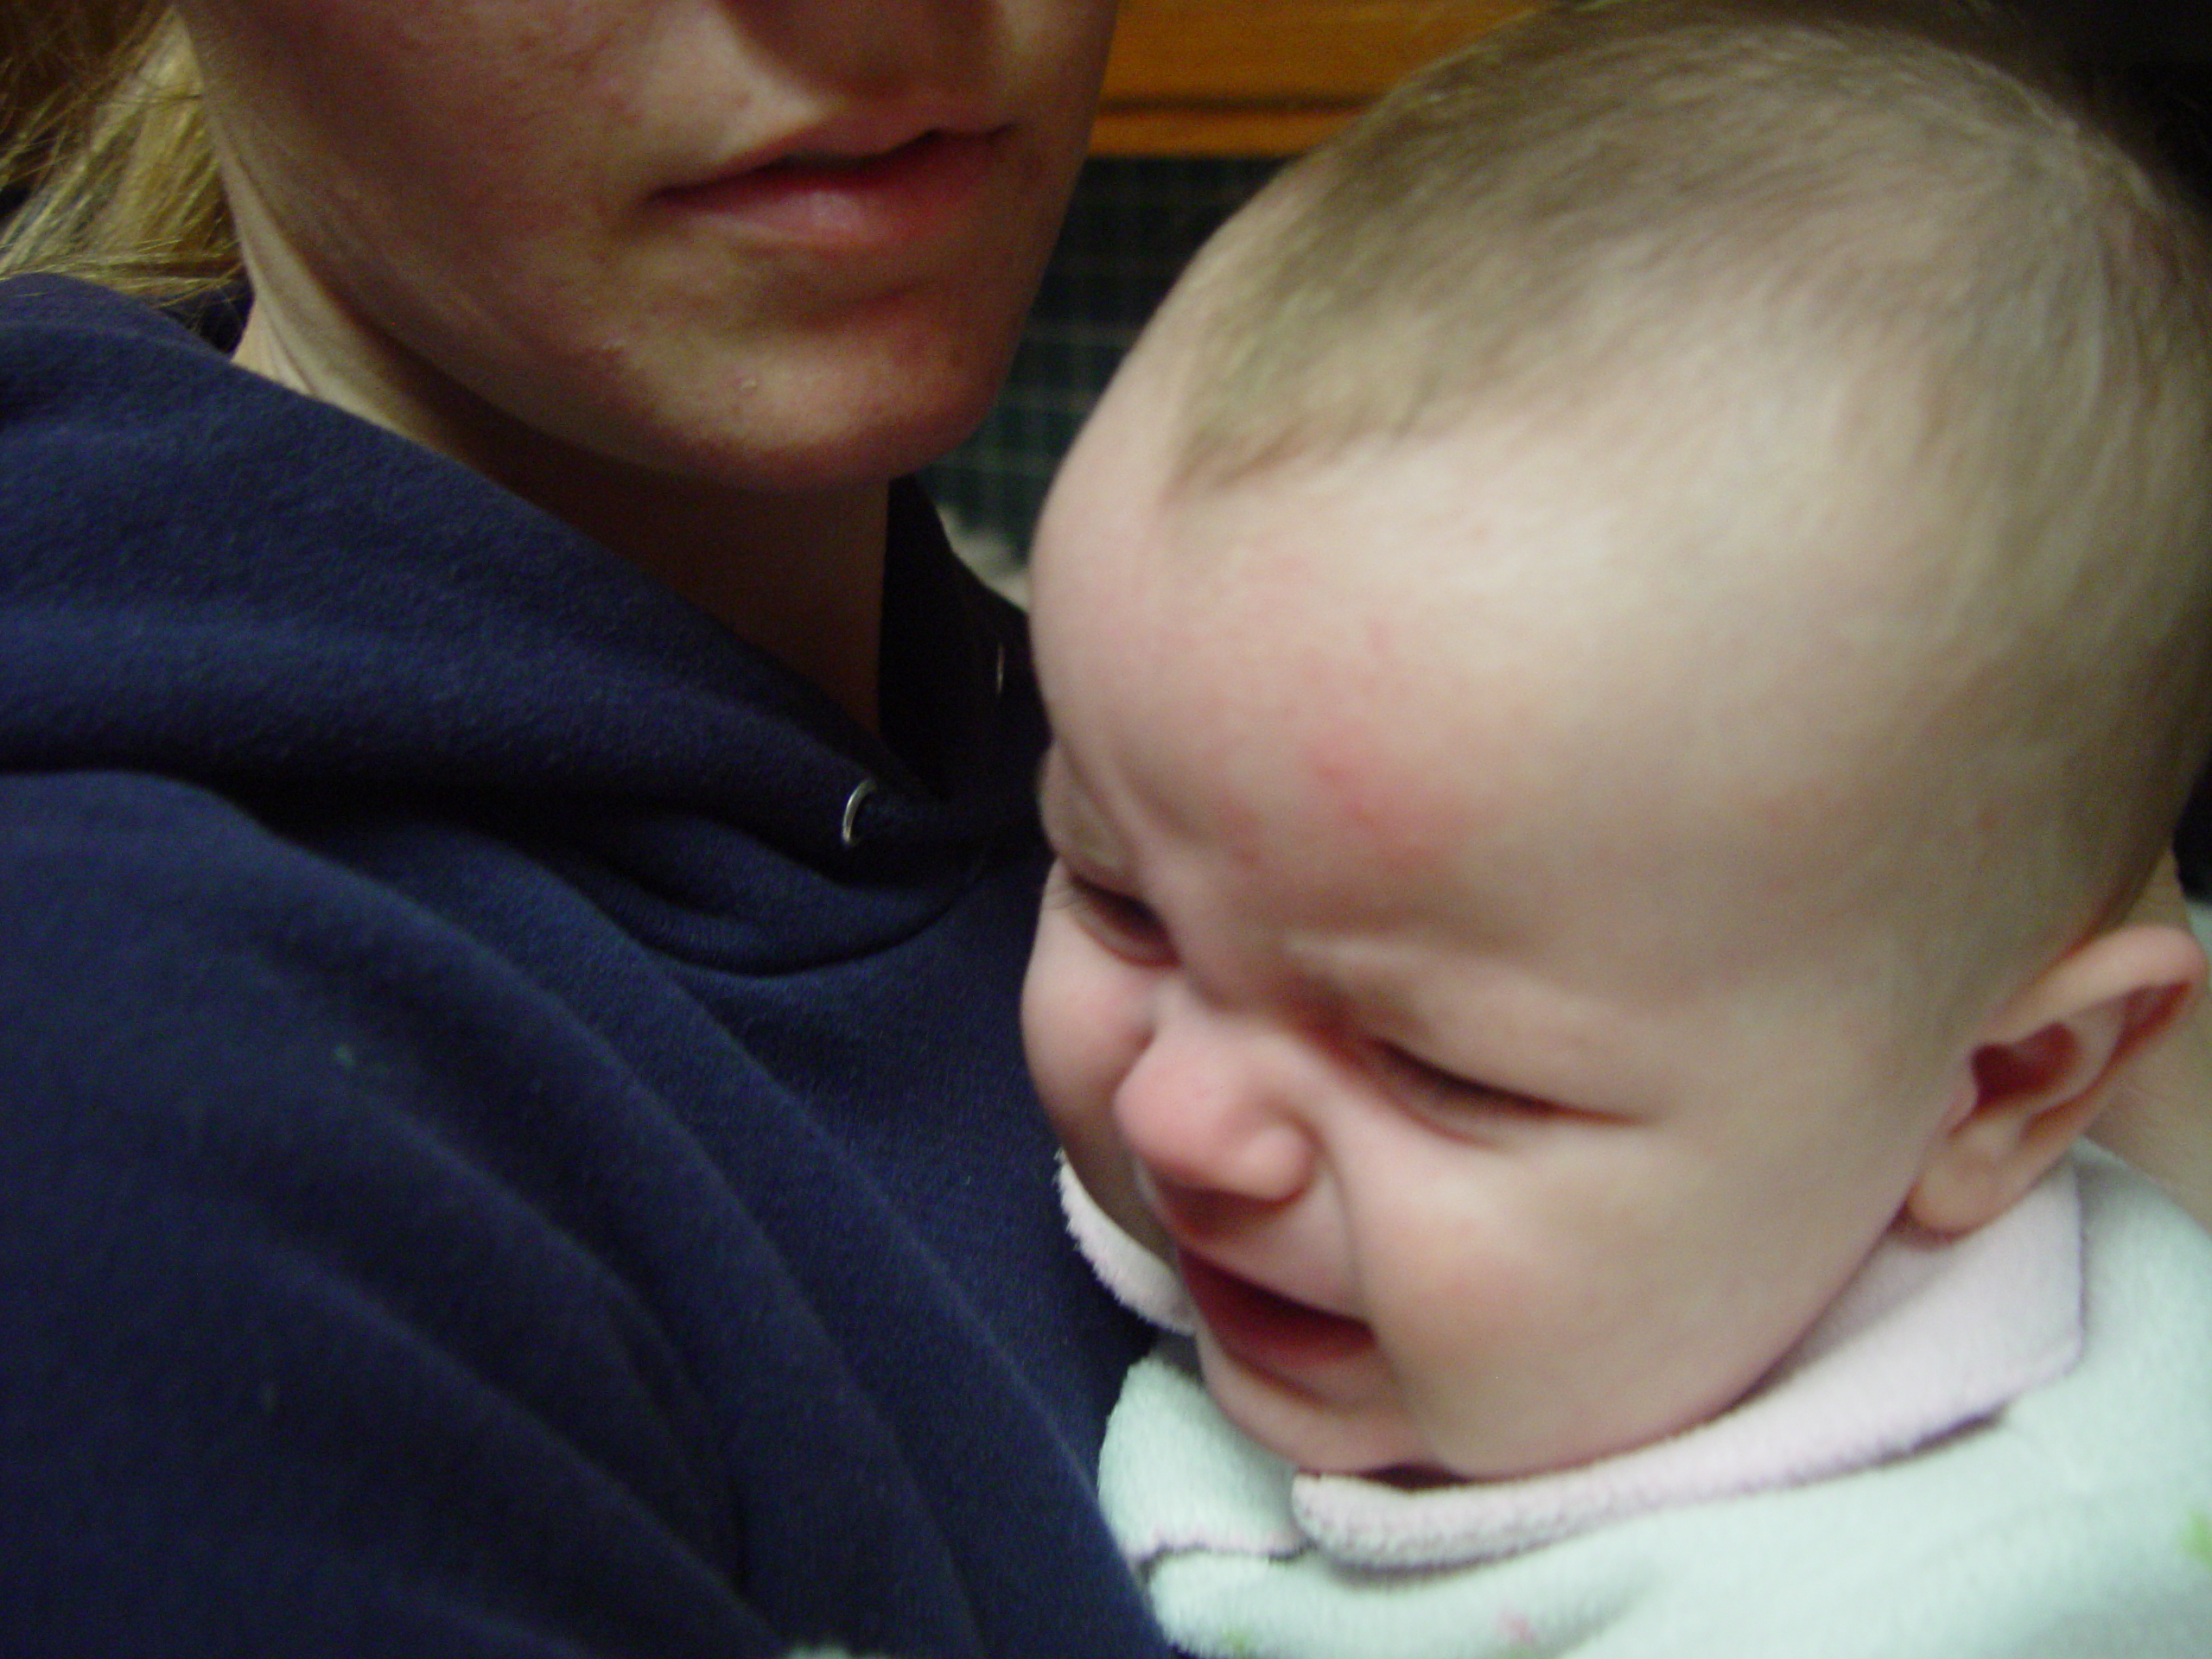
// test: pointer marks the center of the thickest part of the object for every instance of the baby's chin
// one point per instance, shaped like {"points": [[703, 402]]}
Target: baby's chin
{"points": [[1317, 1438], [1481, 1453], [1388, 1446]]}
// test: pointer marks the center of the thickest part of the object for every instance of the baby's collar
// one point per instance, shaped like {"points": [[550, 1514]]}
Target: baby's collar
{"points": [[1930, 1336]]}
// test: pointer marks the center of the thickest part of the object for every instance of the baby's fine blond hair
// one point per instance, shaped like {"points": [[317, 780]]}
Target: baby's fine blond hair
{"points": [[1898, 206]]}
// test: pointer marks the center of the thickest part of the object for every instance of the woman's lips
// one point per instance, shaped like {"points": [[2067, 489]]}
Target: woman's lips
{"points": [[1265, 1330], [836, 201]]}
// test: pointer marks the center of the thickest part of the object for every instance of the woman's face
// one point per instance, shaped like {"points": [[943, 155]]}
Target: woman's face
{"points": [[770, 244]]}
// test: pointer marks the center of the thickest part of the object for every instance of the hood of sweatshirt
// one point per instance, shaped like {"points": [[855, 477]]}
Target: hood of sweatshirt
{"points": [[206, 576]]}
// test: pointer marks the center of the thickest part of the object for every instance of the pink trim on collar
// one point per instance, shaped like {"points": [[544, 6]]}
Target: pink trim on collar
{"points": [[1930, 1336]]}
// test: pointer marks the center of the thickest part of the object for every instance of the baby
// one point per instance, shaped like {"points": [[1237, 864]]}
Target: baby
{"points": [[1620, 655]]}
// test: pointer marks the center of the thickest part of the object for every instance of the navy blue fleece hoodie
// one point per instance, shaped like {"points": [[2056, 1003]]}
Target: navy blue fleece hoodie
{"points": [[501, 1152]]}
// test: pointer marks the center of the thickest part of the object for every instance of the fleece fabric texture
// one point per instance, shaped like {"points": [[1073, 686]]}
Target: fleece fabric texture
{"points": [[1927, 1477], [1930, 1336], [506, 1148]]}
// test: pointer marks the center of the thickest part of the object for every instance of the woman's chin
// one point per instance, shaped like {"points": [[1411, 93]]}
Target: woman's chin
{"points": [[783, 435]]}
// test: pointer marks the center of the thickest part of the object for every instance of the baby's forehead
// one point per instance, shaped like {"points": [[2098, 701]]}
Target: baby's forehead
{"points": [[1517, 596], [1695, 529], [1538, 680]]}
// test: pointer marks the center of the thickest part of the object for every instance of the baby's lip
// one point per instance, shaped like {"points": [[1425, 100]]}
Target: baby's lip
{"points": [[1264, 1328]]}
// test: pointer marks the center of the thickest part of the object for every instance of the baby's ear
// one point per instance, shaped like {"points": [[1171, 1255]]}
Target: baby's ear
{"points": [[2043, 1066]]}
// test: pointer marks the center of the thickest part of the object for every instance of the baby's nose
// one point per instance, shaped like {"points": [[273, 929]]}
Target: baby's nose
{"points": [[1207, 1110]]}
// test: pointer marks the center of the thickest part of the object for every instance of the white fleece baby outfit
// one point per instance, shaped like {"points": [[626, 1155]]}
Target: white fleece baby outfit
{"points": [[1998, 1446]]}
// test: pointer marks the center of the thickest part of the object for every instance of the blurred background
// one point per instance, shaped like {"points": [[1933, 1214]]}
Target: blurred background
{"points": [[1204, 99]]}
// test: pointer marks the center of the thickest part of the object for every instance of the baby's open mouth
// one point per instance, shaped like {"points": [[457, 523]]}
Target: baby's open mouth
{"points": [[1262, 1327]]}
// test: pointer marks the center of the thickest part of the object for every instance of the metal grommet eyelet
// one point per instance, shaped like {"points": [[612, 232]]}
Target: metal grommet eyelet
{"points": [[850, 831]]}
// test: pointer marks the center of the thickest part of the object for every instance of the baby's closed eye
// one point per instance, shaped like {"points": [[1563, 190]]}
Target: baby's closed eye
{"points": [[1432, 1092], [1124, 923]]}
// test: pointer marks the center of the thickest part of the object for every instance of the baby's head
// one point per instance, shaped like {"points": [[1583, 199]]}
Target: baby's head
{"points": [[1619, 655]]}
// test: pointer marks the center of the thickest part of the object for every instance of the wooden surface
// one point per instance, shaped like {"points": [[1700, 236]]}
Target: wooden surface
{"points": [[1265, 77]]}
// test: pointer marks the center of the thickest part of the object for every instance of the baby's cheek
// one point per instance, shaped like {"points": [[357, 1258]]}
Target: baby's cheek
{"points": [[1474, 1318], [1082, 1026], [1071, 1028], [1496, 1392]]}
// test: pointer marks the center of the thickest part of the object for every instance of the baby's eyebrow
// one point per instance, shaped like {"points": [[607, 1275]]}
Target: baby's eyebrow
{"points": [[1052, 806], [1070, 825], [1049, 767]]}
